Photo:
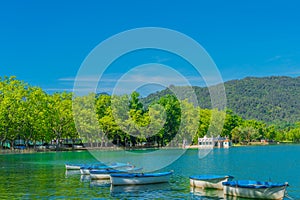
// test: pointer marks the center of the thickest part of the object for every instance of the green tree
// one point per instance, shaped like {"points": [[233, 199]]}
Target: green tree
{"points": [[60, 115], [173, 118], [231, 121], [86, 119], [12, 108]]}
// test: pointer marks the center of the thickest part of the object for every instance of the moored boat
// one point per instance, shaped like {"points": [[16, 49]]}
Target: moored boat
{"points": [[140, 178], [105, 173], [85, 170], [70, 166], [209, 181], [77, 166], [255, 189]]}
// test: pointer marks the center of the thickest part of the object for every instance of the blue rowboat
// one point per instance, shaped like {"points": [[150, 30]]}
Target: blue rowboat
{"points": [[77, 166], [140, 178], [209, 181], [86, 169], [255, 189], [105, 173]]}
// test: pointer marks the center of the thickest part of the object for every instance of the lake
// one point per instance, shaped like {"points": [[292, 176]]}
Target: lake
{"points": [[43, 175]]}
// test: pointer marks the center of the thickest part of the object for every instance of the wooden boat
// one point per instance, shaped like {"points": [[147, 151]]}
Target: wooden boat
{"points": [[86, 169], [209, 181], [255, 189], [105, 173], [140, 178]]}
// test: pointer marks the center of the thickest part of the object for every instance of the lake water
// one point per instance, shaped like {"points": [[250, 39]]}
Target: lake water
{"points": [[43, 175]]}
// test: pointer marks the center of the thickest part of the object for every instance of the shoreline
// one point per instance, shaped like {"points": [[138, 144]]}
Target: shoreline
{"points": [[31, 151]]}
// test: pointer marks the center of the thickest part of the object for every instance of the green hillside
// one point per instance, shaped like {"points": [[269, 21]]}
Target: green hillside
{"points": [[271, 99]]}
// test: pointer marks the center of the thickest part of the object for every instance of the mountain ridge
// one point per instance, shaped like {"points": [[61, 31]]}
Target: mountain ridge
{"points": [[269, 99]]}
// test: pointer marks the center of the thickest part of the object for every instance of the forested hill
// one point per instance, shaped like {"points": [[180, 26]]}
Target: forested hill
{"points": [[271, 99]]}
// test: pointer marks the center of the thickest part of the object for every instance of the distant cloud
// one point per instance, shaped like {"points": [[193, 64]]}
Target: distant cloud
{"points": [[293, 73], [275, 58], [136, 78], [85, 78], [281, 59]]}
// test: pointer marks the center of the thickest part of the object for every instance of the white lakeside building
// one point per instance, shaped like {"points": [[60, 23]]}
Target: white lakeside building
{"points": [[212, 142]]}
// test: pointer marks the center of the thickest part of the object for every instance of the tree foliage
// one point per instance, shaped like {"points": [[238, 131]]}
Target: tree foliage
{"points": [[29, 113], [272, 99]]}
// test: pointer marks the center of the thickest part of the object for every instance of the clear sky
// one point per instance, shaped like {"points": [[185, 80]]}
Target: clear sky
{"points": [[45, 42]]}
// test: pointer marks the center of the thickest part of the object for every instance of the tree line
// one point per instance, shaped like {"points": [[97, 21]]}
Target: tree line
{"points": [[270, 99], [30, 113]]}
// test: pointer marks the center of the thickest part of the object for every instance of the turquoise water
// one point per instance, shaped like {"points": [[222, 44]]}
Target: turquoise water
{"points": [[43, 175]]}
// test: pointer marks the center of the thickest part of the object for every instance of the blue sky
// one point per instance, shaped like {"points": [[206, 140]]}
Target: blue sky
{"points": [[45, 42]]}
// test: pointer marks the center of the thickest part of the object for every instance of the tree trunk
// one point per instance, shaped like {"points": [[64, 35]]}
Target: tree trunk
{"points": [[73, 141], [11, 144], [2, 142]]}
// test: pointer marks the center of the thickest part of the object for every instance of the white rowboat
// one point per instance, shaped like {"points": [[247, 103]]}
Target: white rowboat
{"points": [[255, 189], [77, 166], [86, 170], [140, 178], [105, 173], [209, 181], [73, 166]]}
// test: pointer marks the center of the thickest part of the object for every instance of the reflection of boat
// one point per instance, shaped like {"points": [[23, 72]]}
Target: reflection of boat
{"points": [[105, 173], [72, 172], [209, 181], [115, 189], [255, 189], [140, 178], [85, 178], [85, 170], [100, 183], [207, 193]]}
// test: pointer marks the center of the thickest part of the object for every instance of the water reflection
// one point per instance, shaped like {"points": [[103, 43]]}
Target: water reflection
{"points": [[70, 173], [43, 176], [85, 178], [207, 193], [203, 152], [100, 183], [199, 193], [139, 188]]}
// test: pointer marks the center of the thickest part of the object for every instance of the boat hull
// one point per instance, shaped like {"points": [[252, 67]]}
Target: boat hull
{"points": [[213, 183], [255, 191], [85, 171], [105, 174], [139, 179], [99, 176], [73, 167]]}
